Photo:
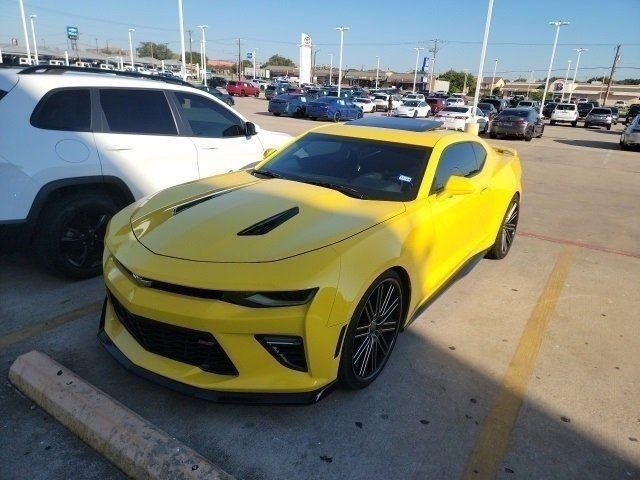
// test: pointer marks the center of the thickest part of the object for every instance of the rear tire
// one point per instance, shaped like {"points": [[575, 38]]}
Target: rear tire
{"points": [[336, 117], [506, 232], [608, 127], [276, 114], [528, 136], [70, 234], [552, 122], [574, 124], [372, 332], [586, 125]]}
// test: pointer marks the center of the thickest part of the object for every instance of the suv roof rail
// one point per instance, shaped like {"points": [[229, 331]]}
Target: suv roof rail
{"points": [[59, 69]]}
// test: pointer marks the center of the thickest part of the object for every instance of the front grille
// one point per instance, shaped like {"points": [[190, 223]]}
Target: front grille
{"points": [[177, 343]]}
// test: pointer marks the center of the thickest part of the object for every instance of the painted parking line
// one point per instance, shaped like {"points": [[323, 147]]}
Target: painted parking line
{"points": [[50, 324], [495, 432], [577, 243]]}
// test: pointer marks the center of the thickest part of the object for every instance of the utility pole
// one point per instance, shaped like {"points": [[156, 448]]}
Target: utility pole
{"points": [[190, 49], [433, 50], [239, 60], [616, 59], [24, 30], [464, 88], [97, 48]]}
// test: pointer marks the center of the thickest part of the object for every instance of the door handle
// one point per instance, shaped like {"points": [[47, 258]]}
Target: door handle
{"points": [[117, 148]]}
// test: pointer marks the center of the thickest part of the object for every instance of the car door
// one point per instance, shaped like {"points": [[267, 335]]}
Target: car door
{"points": [[217, 133], [459, 220], [138, 141]]}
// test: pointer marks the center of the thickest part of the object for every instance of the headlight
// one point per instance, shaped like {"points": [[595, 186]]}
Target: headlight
{"points": [[270, 299]]}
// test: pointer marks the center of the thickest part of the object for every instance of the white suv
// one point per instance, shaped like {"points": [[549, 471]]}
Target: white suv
{"points": [[76, 146], [565, 112]]}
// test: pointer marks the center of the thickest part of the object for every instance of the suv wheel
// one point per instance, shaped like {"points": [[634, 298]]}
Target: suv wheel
{"points": [[70, 236]]}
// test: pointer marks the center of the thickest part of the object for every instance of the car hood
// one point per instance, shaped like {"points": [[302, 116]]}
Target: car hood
{"points": [[239, 218]]}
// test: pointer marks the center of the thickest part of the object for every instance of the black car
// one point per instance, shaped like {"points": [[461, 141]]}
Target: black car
{"points": [[631, 113], [548, 109], [584, 108], [488, 109], [517, 122], [216, 82], [500, 104], [228, 99]]}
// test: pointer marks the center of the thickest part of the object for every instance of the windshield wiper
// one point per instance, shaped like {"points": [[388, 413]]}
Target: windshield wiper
{"points": [[267, 173], [346, 190]]}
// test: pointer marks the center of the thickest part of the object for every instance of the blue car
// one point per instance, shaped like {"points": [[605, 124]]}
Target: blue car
{"points": [[289, 104], [331, 108]]}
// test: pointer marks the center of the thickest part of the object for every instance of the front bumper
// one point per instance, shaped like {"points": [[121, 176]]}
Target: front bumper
{"points": [[234, 328], [453, 124], [512, 130]]}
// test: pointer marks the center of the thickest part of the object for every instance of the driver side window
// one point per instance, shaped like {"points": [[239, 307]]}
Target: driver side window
{"points": [[458, 159], [208, 119]]}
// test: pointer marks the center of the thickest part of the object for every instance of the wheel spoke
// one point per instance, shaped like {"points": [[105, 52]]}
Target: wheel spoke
{"points": [[391, 309], [365, 360], [360, 351], [385, 303], [384, 346]]}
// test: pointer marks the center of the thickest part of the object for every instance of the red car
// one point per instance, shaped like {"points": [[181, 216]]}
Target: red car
{"points": [[436, 104], [242, 89]]}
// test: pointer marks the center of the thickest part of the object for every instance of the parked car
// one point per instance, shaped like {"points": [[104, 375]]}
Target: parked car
{"points": [[413, 96], [228, 99], [630, 137], [275, 90], [215, 82], [599, 117], [454, 101], [529, 103], [365, 104], [242, 89], [354, 226], [152, 134], [564, 113], [331, 108], [631, 113], [455, 117], [488, 109], [517, 122], [513, 101], [615, 115], [548, 109], [293, 104], [584, 108], [413, 108], [381, 100], [436, 104], [499, 103]]}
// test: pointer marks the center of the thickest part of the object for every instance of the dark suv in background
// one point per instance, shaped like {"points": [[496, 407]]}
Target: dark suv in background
{"points": [[631, 113], [584, 108]]}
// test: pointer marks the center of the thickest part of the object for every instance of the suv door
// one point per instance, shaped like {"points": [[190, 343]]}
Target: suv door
{"points": [[217, 133], [139, 140]]}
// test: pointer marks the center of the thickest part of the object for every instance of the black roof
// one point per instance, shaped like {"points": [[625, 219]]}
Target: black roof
{"points": [[407, 124]]}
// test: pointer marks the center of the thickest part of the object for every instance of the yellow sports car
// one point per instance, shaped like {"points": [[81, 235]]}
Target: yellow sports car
{"points": [[274, 283]]}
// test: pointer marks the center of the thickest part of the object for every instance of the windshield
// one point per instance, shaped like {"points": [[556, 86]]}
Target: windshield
{"points": [[362, 100], [411, 103], [371, 169], [514, 112], [601, 111], [380, 97], [525, 104], [485, 106], [455, 109], [565, 106]]}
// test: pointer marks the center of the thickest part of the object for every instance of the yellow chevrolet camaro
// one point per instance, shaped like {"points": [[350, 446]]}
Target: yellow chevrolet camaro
{"points": [[274, 283]]}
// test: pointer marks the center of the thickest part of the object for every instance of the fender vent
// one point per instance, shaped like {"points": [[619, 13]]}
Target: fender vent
{"points": [[268, 224]]}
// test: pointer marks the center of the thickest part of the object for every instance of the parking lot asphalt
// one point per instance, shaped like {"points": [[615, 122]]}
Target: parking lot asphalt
{"points": [[525, 368]]}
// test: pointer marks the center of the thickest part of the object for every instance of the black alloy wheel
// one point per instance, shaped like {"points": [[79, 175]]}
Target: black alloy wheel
{"points": [[507, 232], [336, 117], [372, 333]]}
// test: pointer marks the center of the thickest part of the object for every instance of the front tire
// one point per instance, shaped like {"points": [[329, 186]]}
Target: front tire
{"points": [[372, 332], [70, 237], [506, 232], [336, 117]]}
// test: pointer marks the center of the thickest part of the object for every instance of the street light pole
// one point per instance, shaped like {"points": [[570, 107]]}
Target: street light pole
{"points": [[575, 72], [493, 79], [35, 44], [203, 54], [24, 30], [530, 82], [183, 67], [131, 30], [255, 50], [556, 24], [330, 68], [566, 81], [341, 30], [415, 72], [487, 27], [377, 70], [464, 88]]}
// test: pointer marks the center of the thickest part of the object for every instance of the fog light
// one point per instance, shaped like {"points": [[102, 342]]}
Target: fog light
{"points": [[287, 350]]}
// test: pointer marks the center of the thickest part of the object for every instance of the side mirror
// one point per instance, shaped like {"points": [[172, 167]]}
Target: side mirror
{"points": [[250, 129], [460, 186], [268, 152]]}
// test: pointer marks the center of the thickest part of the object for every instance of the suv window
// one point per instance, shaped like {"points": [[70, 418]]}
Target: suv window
{"points": [[68, 110], [137, 111], [458, 159], [208, 119]]}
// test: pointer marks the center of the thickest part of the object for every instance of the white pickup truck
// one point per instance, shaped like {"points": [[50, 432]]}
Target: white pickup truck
{"points": [[565, 112]]}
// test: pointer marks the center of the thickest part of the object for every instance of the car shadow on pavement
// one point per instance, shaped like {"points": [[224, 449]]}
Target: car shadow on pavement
{"points": [[590, 144]]}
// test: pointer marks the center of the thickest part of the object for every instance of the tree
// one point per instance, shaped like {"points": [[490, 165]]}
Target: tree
{"points": [[245, 64], [521, 80], [456, 80], [193, 55], [603, 79], [628, 81], [159, 51], [280, 61]]}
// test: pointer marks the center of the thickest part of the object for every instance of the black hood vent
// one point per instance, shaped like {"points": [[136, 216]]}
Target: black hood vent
{"points": [[268, 224], [184, 206]]}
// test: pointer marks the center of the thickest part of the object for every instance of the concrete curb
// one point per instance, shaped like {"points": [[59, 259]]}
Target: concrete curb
{"points": [[137, 447]]}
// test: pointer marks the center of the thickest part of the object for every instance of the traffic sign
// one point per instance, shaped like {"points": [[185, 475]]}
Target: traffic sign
{"points": [[249, 55], [72, 33]]}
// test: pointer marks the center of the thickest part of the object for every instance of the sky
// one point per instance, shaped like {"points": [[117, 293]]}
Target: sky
{"points": [[520, 37]]}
